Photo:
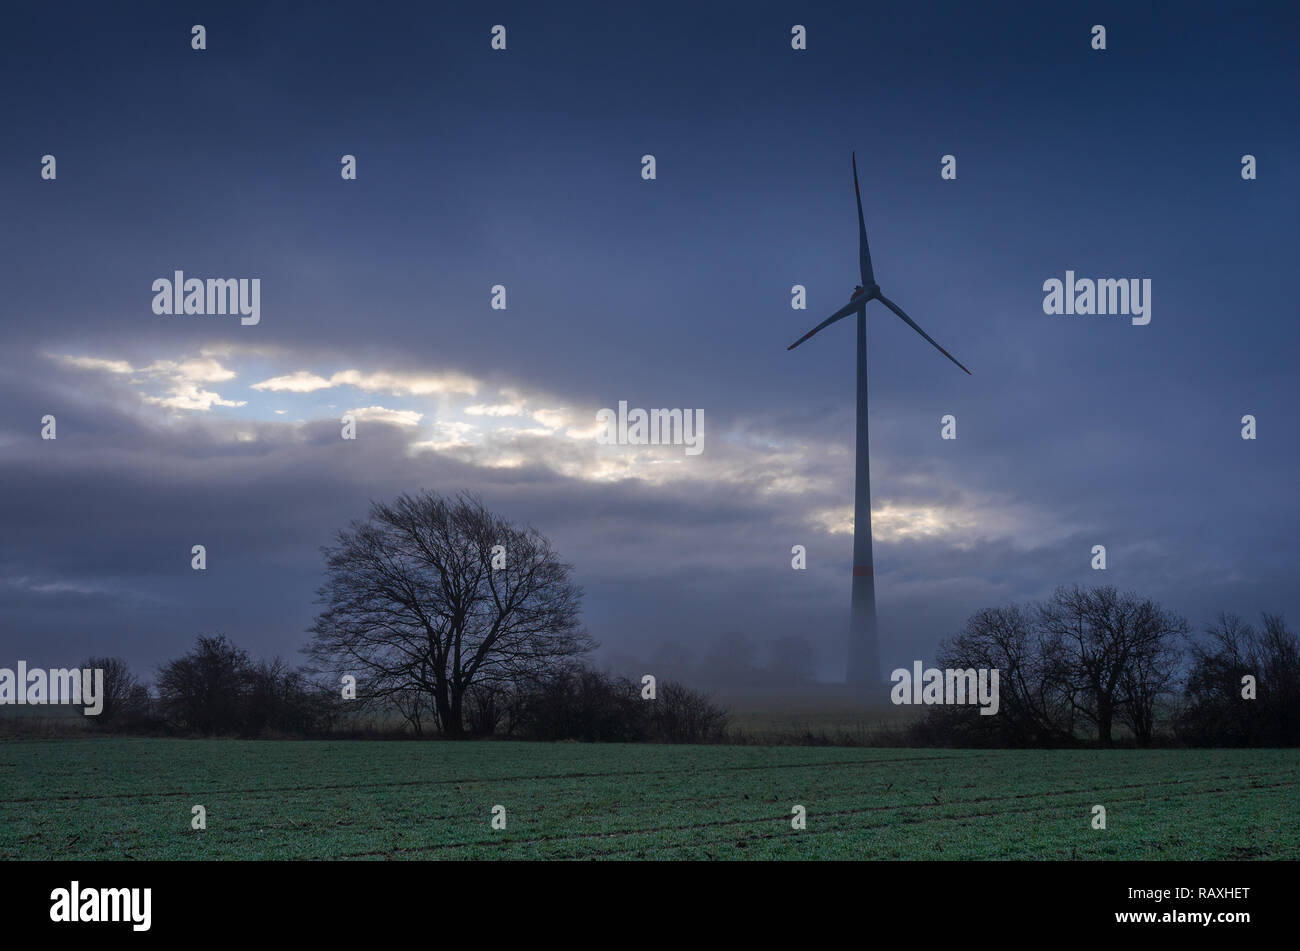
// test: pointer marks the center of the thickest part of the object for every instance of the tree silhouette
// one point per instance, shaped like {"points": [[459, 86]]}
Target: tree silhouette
{"points": [[432, 596]]}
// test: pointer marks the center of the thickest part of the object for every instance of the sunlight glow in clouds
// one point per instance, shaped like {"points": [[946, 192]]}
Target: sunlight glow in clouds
{"points": [[439, 417], [500, 409], [396, 417], [962, 523], [400, 384], [180, 380]]}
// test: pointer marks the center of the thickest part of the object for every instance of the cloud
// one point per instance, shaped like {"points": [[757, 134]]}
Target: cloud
{"points": [[180, 380], [774, 464], [961, 522], [637, 520], [554, 418], [764, 463], [447, 436], [204, 370], [382, 414], [398, 384], [498, 409], [186, 395], [93, 363], [407, 384], [300, 382]]}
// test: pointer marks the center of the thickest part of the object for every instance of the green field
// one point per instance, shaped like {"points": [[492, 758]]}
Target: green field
{"points": [[118, 798]]}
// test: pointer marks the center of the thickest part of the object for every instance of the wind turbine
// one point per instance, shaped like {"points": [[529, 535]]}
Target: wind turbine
{"points": [[864, 651]]}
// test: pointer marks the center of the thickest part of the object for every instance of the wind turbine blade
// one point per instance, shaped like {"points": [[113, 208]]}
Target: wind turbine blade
{"points": [[864, 252], [843, 312], [899, 311]]}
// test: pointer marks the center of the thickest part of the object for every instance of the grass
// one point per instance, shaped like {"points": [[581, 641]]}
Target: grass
{"points": [[113, 798]]}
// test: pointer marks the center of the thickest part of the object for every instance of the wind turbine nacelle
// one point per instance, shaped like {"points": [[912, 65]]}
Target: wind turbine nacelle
{"points": [[865, 293]]}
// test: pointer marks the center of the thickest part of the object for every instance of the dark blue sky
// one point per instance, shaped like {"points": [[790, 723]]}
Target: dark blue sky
{"points": [[522, 168]]}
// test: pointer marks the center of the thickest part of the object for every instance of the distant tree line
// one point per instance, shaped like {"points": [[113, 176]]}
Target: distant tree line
{"points": [[1095, 665], [575, 702], [216, 689]]}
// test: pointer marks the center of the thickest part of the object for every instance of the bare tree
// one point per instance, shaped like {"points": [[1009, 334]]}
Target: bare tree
{"points": [[218, 689], [415, 705], [1212, 711], [1277, 658], [436, 595], [1107, 642], [120, 688], [1216, 709], [1150, 676], [1033, 704], [487, 705], [203, 691], [682, 715]]}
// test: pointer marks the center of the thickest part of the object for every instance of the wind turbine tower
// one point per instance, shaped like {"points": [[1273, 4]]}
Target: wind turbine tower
{"points": [[864, 647]]}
